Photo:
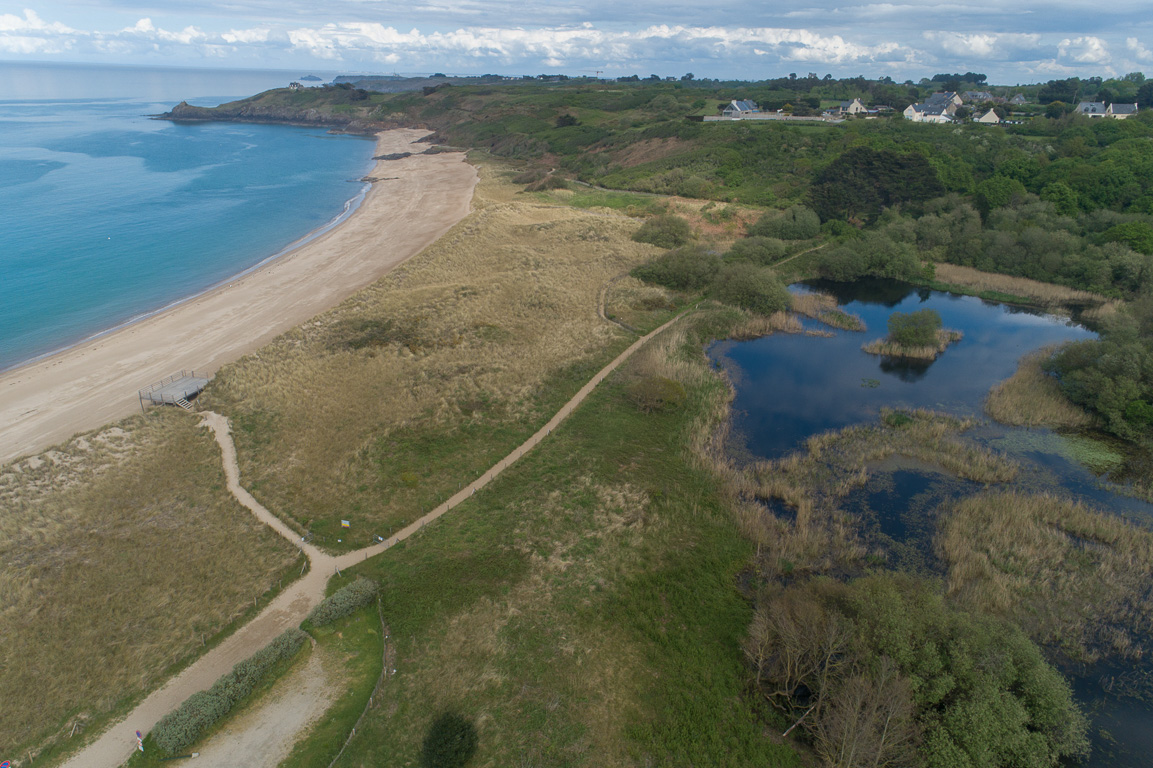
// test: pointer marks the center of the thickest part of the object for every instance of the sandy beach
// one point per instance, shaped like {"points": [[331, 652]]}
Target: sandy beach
{"points": [[415, 201]]}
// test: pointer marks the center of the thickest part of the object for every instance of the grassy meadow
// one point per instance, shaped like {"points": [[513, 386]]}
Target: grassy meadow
{"points": [[121, 555], [584, 608], [382, 407]]}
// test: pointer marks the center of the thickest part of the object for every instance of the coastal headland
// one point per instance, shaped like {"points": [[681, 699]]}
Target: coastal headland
{"points": [[412, 202]]}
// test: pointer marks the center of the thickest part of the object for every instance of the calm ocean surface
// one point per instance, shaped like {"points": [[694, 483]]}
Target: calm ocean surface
{"points": [[106, 216]]}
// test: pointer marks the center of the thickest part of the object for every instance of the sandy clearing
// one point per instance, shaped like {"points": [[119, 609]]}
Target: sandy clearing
{"points": [[264, 736], [418, 199]]}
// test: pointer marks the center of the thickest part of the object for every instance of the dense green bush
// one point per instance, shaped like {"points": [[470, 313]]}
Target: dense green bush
{"points": [[664, 231], [180, 728], [796, 223], [758, 250], [450, 743], [914, 329], [749, 287], [873, 253], [685, 269], [898, 671], [343, 602]]}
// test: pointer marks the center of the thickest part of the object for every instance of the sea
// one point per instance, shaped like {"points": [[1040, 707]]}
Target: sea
{"points": [[108, 216]]}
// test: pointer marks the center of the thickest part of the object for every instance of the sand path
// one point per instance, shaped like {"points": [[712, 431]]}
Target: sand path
{"points": [[416, 200], [292, 605]]}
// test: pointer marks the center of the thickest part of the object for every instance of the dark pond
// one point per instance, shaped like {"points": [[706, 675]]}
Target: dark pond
{"points": [[789, 387]]}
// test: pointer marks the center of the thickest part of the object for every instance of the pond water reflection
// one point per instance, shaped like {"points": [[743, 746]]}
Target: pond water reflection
{"points": [[789, 387]]}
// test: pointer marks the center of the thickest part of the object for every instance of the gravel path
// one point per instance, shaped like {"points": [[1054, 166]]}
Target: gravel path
{"points": [[292, 605]]}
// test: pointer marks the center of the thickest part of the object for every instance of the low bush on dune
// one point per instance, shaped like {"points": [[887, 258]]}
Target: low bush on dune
{"points": [[665, 231], [683, 269], [180, 729], [343, 601]]}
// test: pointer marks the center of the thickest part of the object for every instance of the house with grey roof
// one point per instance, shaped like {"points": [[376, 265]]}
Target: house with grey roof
{"points": [[979, 97], [1091, 108], [1018, 100], [1121, 111], [930, 113], [740, 109], [854, 107]]}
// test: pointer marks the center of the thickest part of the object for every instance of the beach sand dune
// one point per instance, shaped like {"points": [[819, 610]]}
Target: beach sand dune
{"points": [[416, 200]]}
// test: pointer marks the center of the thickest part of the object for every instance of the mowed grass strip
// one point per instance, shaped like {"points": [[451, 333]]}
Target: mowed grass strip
{"points": [[583, 609], [382, 408], [121, 552]]}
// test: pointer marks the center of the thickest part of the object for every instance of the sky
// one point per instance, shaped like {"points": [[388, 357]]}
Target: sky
{"points": [[1012, 41]]}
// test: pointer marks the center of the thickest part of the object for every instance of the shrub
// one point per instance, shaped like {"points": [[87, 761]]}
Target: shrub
{"points": [[684, 269], [914, 329], [758, 250], [749, 287], [656, 393], [796, 223], [180, 728], [343, 602], [450, 743], [665, 231]]}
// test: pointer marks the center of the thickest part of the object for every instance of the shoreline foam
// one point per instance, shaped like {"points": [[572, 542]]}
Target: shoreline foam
{"points": [[46, 401]]}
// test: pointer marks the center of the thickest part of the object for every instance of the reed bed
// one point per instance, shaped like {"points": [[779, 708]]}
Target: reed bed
{"points": [[1032, 398], [381, 408], [1045, 294], [1073, 577], [887, 348], [121, 552], [823, 307], [803, 530]]}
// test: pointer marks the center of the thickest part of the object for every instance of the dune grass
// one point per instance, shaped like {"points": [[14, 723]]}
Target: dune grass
{"points": [[381, 408], [1071, 576], [583, 608], [1032, 398], [121, 556]]}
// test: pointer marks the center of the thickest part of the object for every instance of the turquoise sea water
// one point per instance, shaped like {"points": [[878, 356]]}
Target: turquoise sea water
{"points": [[107, 216]]}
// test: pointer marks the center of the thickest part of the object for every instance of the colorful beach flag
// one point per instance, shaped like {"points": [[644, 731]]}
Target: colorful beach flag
{"points": [[344, 524], [139, 741], [6, 764]]}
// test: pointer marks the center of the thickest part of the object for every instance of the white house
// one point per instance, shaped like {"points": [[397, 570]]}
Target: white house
{"points": [[989, 118], [740, 109], [929, 113], [1121, 111], [854, 107], [1091, 108]]}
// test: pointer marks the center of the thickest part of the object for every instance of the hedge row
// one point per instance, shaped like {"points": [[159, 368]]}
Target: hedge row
{"points": [[343, 602], [179, 729]]}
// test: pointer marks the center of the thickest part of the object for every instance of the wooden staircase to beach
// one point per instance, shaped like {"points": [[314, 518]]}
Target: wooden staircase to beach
{"points": [[184, 404]]}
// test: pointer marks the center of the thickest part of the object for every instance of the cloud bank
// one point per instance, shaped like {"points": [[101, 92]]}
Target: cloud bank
{"points": [[1010, 42]]}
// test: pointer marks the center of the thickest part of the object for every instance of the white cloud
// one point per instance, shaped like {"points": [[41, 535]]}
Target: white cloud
{"points": [[1085, 50], [1139, 51], [31, 22], [246, 36]]}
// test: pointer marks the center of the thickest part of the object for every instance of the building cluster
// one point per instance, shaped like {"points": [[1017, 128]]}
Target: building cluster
{"points": [[938, 108]]}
